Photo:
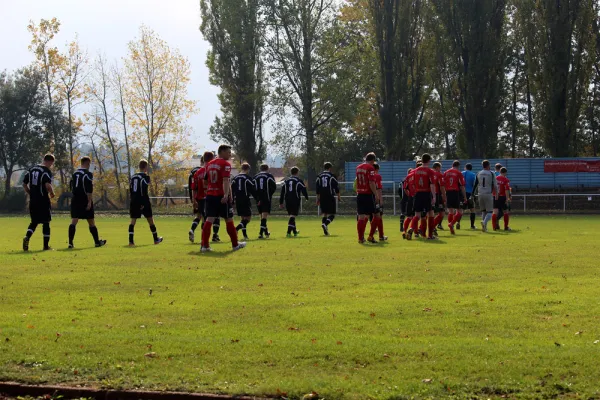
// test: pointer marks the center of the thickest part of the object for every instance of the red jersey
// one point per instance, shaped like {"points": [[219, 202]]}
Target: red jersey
{"points": [[198, 183], [365, 173], [216, 171], [503, 185], [424, 177], [410, 183], [378, 180], [439, 181], [454, 180]]}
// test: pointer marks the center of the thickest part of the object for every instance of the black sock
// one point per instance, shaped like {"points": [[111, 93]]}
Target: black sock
{"points": [[30, 230], [195, 224], [324, 220], [46, 231], [239, 226], [72, 229], [472, 219], [291, 226], [154, 234], [131, 229], [293, 220], [329, 219], [216, 226], [371, 218], [245, 223], [402, 218], [94, 232], [263, 226]]}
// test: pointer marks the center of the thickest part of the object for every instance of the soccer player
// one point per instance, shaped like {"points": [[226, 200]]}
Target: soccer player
{"points": [[470, 179], [379, 206], [140, 202], [82, 205], [367, 197], [327, 189], [497, 169], [408, 189], [219, 202], [38, 185], [504, 199], [199, 193], [424, 198], [486, 188], [265, 188], [455, 186], [197, 213], [291, 191], [242, 188], [440, 196]]}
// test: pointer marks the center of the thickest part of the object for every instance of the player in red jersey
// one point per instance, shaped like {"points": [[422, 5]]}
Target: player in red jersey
{"points": [[219, 201], [199, 195], [411, 191], [440, 197], [455, 185], [367, 197], [424, 198], [502, 205], [379, 211]]}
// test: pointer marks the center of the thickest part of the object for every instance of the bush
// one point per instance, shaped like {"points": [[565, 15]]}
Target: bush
{"points": [[15, 202]]}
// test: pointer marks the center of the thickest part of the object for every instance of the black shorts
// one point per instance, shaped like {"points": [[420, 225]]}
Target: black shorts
{"points": [[328, 205], [243, 208], [201, 209], [453, 199], [264, 206], [470, 204], [216, 209], [500, 203], [40, 212], [409, 208], [292, 207], [422, 202], [79, 210], [439, 203], [137, 209], [365, 204]]}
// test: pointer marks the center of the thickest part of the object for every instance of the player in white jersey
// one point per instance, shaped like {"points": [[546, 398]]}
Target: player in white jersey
{"points": [[487, 187]]}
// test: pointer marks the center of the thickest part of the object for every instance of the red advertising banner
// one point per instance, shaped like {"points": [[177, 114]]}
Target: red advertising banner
{"points": [[571, 166]]}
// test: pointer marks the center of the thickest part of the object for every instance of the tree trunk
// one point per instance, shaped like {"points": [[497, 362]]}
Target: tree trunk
{"points": [[514, 114], [7, 188], [529, 115], [70, 116]]}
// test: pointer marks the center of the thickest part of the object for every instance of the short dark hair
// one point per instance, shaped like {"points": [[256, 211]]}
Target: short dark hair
{"points": [[264, 167], [223, 147], [371, 157], [503, 170], [245, 167], [294, 170], [426, 158], [498, 166], [85, 159], [419, 163], [208, 156], [376, 166], [327, 166], [456, 163], [143, 164], [49, 157], [485, 163], [437, 165], [468, 167]]}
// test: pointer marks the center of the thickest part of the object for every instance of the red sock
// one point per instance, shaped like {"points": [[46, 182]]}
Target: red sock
{"points": [[432, 226], [450, 219], [374, 225], [361, 226], [458, 218], [495, 221], [423, 226], [232, 233], [380, 227], [441, 221], [206, 231], [506, 219], [407, 223], [414, 225]]}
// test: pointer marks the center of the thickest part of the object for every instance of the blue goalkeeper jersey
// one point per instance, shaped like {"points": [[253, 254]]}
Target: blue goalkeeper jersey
{"points": [[470, 178]]}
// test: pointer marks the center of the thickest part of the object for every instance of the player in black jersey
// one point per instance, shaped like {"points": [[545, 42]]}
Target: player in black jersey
{"points": [[38, 185], [265, 188], [242, 188], [196, 211], [291, 193], [140, 202], [327, 191], [82, 205]]}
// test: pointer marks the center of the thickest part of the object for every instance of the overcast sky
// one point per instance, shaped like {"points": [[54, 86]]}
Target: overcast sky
{"points": [[107, 26]]}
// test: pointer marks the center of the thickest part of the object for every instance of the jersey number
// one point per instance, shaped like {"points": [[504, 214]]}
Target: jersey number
{"points": [[324, 181], [135, 185], [451, 181], [34, 178], [421, 182], [240, 185], [214, 176], [262, 184], [483, 183], [77, 181], [362, 180], [291, 186]]}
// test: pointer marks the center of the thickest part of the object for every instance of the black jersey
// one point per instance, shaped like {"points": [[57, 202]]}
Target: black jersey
{"points": [[139, 187], [191, 180], [82, 184], [291, 191], [242, 187], [327, 185], [265, 186], [37, 178]]}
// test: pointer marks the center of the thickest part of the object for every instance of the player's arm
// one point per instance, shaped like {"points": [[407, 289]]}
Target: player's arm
{"points": [[318, 191], [380, 194], [355, 184], [251, 189], [282, 195], [495, 186], [226, 189], [443, 189], [272, 186], [47, 182], [89, 189], [304, 191], [336, 188], [26, 183], [232, 190]]}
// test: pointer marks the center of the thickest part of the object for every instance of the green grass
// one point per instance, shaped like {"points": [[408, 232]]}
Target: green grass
{"points": [[477, 315]]}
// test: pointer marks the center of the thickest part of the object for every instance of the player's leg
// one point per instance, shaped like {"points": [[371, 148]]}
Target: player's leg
{"points": [[94, 231], [263, 225], [152, 226], [206, 230], [495, 224], [324, 224], [46, 232], [245, 221], [132, 223], [431, 224], [195, 222], [292, 225], [30, 229], [506, 219], [216, 226], [72, 229]]}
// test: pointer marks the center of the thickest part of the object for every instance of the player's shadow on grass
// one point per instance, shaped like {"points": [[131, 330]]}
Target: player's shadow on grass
{"points": [[137, 246], [212, 254]]}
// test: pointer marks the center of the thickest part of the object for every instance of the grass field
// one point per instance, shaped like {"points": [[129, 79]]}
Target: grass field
{"points": [[477, 315]]}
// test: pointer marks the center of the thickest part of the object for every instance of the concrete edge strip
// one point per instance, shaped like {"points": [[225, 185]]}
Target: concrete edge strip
{"points": [[18, 389]]}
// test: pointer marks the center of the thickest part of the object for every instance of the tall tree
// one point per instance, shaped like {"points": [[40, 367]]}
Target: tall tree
{"points": [[475, 29], [234, 29]]}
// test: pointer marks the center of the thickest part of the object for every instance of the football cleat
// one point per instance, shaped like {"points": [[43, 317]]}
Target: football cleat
{"points": [[268, 235], [71, 246], [404, 235], [289, 235], [458, 226], [47, 248], [372, 240], [451, 229], [191, 236], [25, 243], [435, 232], [432, 238], [131, 244], [216, 239], [483, 227], [205, 250], [361, 241], [440, 227], [101, 243], [158, 241], [383, 238], [507, 229], [473, 227], [296, 233], [240, 246], [325, 229], [409, 234]]}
